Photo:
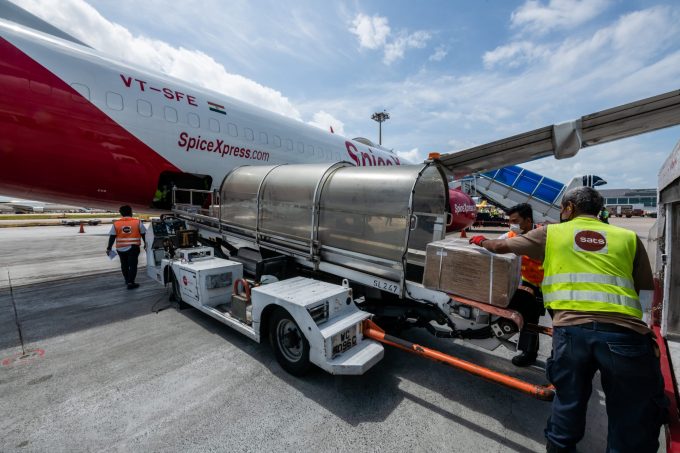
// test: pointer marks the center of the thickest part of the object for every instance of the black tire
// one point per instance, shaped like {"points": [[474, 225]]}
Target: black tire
{"points": [[176, 294], [290, 346]]}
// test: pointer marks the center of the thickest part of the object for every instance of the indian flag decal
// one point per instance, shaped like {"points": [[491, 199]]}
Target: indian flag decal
{"points": [[217, 108]]}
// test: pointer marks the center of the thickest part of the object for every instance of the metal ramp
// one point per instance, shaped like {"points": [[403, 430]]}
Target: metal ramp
{"points": [[512, 185]]}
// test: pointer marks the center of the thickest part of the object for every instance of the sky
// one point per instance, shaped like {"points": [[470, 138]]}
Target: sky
{"points": [[451, 74]]}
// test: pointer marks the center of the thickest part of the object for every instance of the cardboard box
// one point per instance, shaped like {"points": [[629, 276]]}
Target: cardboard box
{"points": [[466, 270]]}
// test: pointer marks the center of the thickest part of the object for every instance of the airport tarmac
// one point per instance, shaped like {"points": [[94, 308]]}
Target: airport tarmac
{"points": [[107, 373]]}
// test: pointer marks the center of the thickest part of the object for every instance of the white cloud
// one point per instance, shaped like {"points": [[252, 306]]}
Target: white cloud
{"points": [[411, 156], [372, 31], [514, 54], [630, 57], [534, 16], [628, 163], [602, 59], [85, 23], [324, 120], [439, 54], [395, 49]]}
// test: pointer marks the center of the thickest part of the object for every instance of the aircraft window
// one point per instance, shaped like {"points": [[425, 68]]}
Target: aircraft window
{"points": [[318, 151], [143, 108], [309, 150], [338, 157], [277, 141], [170, 114], [214, 125], [289, 145], [233, 131], [300, 147], [82, 90], [40, 88], [263, 138], [114, 100], [249, 134], [193, 120]]}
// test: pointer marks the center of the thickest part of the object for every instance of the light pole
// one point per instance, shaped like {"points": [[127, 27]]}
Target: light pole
{"points": [[380, 117]]}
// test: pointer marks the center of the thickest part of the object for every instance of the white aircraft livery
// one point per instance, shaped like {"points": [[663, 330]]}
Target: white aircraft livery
{"points": [[78, 126]]}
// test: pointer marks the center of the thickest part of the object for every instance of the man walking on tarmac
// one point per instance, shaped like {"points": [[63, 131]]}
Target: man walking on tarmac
{"points": [[128, 233], [593, 273], [528, 299]]}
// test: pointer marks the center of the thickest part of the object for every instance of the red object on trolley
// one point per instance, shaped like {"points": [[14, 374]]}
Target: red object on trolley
{"points": [[246, 287]]}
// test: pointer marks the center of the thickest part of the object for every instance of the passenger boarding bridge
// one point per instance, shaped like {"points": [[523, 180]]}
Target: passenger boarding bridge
{"points": [[512, 185]]}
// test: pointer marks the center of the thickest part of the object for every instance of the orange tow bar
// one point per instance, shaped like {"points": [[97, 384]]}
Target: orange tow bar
{"points": [[542, 392]]}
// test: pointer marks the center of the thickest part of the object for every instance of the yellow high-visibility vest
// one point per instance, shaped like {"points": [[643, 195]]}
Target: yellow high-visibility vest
{"points": [[588, 266]]}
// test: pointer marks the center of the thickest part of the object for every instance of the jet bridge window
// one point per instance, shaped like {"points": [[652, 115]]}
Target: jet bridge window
{"points": [[193, 120], [144, 108], [114, 100], [214, 125], [170, 114], [82, 90]]}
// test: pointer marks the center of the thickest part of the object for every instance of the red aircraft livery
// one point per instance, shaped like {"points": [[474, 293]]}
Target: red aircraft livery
{"points": [[80, 128]]}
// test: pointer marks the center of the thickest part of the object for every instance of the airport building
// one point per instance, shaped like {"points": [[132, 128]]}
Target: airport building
{"points": [[644, 197]]}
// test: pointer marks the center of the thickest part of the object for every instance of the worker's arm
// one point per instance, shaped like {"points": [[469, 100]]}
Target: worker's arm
{"points": [[496, 245], [142, 231], [642, 269], [112, 238], [531, 244]]}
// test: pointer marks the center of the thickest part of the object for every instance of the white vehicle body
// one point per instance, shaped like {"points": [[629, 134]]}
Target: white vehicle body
{"points": [[324, 313]]}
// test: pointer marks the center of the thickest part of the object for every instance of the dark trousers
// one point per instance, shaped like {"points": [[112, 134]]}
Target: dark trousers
{"points": [[531, 309], [128, 263], [631, 380], [528, 305]]}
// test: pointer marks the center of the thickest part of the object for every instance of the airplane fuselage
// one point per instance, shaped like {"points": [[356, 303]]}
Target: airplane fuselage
{"points": [[81, 128], [78, 126]]}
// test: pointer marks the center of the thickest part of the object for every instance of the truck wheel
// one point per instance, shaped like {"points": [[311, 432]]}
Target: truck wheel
{"points": [[176, 293], [290, 346]]}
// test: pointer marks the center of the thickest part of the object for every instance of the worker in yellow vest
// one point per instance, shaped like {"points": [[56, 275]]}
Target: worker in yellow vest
{"points": [[128, 233], [593, 274], [528, 299]]}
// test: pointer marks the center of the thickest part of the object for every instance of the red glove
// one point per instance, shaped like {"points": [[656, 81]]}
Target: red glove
{"points": [[477, 240]]}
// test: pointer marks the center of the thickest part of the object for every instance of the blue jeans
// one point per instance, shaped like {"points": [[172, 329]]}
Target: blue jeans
{"points": [[631, 380]]}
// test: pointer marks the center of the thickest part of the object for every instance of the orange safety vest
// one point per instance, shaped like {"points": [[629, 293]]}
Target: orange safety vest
{"points": [[532, 270], [127, 232]]}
